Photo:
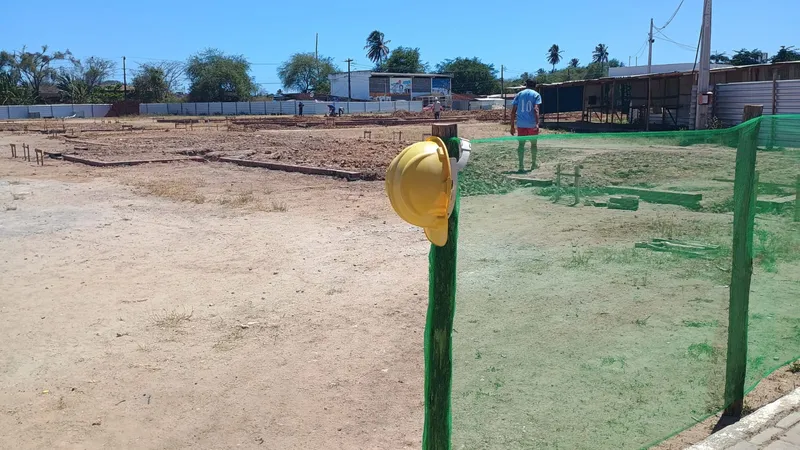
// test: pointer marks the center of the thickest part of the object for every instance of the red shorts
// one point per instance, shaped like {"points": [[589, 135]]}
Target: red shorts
{"points": [[527, 131]]}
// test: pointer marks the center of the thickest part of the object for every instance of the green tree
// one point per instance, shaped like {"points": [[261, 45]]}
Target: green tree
{"points": [[73, 89], [216, 77], [471, 75], [34, 68], [614, 62], [574, 62], [305, 72], [746, 57], [403, 60], [150, 84], [12, 89], [595, 70], [376, 47], [600, 54], [554, 56], [786, 54], [79, 82], [720, 58]]}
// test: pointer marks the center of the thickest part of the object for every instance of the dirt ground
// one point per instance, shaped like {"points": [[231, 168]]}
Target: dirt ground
{"points": [[205, 305]]}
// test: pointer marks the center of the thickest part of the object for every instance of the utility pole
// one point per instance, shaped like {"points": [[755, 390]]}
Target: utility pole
{"points": [[703, 77], [503, 90], [349, 93], [124, 80], [649, 75]]}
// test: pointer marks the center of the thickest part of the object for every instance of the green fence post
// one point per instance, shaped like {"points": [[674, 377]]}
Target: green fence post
{"points": [[439, 323], [744, 197]]}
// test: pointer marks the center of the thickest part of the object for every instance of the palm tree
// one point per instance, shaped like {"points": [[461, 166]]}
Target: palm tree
{"points": [[554, 56], [600, 54], [574, 62], [720, 58], [376, 47]]}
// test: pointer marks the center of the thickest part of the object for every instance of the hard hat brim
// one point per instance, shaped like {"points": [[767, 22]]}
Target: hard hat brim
{"points": [[437, 235]]}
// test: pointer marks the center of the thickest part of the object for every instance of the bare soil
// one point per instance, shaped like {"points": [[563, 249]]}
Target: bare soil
{"points": [[205, 305]]}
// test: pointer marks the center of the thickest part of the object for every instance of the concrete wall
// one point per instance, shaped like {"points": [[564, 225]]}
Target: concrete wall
{"points": [[24, 111], [268, 108]]}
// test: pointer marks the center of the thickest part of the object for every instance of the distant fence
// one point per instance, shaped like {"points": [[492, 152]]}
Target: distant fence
{"points": [[290, 107], [48, 111], [778, 97]]}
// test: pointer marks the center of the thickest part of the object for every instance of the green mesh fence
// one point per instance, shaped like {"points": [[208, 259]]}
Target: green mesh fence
{"points": [[594, 313]]}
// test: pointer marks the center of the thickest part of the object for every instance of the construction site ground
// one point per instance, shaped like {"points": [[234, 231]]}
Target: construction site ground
{"points": [[208, 305]]}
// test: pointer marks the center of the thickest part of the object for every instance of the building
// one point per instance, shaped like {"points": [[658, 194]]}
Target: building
{"points": [[367, 85], [657, 101]]}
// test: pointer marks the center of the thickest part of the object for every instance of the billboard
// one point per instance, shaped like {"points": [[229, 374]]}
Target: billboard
{"points": [[440, 86], [400, 85]]}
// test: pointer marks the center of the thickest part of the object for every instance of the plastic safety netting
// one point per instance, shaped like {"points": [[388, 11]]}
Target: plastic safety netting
{"points": [[593, 293]]}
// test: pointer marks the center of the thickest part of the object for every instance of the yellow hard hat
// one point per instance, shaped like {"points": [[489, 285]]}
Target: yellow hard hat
{"points": [[419, 183]]}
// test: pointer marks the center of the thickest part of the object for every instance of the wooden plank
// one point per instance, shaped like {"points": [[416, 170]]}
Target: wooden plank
{"points": [[536, 182], [688, 199], [347, 174], [744, 196], [439, 324]]}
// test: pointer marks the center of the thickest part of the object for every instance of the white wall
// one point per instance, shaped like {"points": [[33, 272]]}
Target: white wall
{"points": [[289, 107], [23, 111], [359, 85]]}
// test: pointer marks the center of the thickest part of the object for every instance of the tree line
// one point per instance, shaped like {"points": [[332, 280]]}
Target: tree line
{"points": [[214, 76], [33, 76]]}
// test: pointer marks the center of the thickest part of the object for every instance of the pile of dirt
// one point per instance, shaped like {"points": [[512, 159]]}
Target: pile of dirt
{"points": [[406, 114], [490, 115]]}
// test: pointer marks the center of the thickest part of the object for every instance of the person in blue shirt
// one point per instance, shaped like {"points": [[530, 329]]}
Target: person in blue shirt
{"points": [[525, 120]]}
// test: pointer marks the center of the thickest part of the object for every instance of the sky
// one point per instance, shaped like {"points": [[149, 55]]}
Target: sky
{"points": [[516, 36]]}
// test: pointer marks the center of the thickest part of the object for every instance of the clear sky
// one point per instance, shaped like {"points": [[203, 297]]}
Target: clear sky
{"points": [[515, 34]]}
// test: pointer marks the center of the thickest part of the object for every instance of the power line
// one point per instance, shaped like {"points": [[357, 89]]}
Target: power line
{"points": [[672, 17], [641, 49], [668, 39]]}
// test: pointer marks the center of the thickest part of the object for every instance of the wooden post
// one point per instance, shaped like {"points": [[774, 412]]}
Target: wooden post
{"points": [[772, 124], [558, 104], [13, 150], [751, 112], [797, 199], [577, 184], [439, 323], [558, 182], [744, 198]]}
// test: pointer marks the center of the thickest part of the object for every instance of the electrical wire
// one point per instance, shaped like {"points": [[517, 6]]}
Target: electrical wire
{"points": [[668, 39], [641, 49], [672, 17]]}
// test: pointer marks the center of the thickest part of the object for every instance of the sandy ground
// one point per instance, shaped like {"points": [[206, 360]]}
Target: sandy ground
{"points": [[203, 305], [139, 322]]}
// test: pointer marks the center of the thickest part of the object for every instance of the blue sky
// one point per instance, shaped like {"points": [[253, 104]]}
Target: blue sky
{"points": [[516, 35]]}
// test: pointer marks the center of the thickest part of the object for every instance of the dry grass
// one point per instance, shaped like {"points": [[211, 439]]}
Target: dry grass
{"points": [[278, 207], [174, 191], [239, 200], [228, 341], [170, 319]]}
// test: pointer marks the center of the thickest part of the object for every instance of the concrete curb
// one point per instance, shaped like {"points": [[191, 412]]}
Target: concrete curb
{"points": [[751, 425], [346, 174], [97, 163]]}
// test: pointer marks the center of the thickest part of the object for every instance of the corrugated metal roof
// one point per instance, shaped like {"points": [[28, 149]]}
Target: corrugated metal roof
{"points": [[662, 75]]}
